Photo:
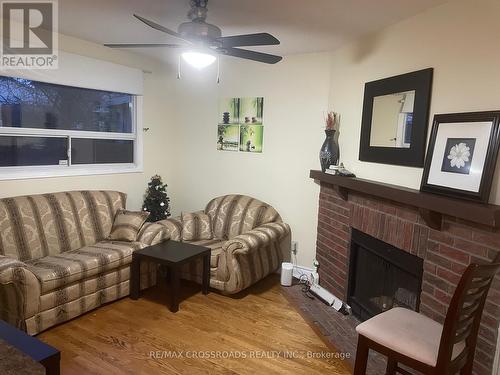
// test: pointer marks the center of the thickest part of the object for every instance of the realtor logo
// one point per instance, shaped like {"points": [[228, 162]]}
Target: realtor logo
{"points": [[29, 35]]}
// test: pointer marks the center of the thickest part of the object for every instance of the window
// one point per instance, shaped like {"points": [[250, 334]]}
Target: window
{"points": [[48, 129], [25, 151], [101, 151]]}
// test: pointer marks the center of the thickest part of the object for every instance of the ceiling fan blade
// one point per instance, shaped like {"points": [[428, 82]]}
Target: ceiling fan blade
{"points": [[251, 55], [259, 39], [139, 45], [158, 27]]}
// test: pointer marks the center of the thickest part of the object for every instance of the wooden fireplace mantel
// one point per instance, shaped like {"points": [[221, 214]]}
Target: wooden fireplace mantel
{"points": [[431, 207]]}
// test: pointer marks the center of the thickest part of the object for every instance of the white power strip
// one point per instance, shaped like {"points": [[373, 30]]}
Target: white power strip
{"points": [[300, 272], [327, 297]]}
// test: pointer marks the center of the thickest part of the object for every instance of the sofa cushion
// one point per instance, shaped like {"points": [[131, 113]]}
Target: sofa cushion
{"points": [[127, 225], [82, 288], [37, 226], [60, 270], [233, 215], [196, 226], [173, 226]]}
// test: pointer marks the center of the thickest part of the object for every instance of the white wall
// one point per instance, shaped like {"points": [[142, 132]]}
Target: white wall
{"points": [[295, 95], [157, 116], [386, 111], [458, 39]]}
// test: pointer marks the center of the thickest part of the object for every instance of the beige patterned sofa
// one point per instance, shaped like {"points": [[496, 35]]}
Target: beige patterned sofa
{"points": [[249, 242], [55, 261]]}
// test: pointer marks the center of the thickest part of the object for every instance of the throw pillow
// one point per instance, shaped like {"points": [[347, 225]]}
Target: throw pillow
{"points": [[127, 225], [196, 226]]}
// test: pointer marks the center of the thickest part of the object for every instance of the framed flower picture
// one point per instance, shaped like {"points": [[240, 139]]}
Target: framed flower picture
{"points": [[462, 155]]}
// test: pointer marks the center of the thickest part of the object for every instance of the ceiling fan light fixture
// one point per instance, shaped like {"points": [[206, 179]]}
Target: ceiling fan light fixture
{"points": [[198, 60], [206, 40]]}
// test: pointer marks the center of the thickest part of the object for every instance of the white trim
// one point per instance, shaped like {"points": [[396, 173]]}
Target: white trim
{"points": [[299, 271], [86, 72], [65, 133], [24, 173], [32, 172], [138, 130]]}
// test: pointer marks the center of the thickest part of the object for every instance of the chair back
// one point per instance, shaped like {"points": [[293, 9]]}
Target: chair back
{"points": [[463, 318]]}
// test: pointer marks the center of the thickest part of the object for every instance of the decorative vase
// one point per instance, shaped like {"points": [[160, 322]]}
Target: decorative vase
{"points": [[329, 153], [225, 117]]}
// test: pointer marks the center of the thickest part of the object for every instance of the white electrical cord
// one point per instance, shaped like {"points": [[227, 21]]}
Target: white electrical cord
{"points": [[218, 69], [179, 68]]}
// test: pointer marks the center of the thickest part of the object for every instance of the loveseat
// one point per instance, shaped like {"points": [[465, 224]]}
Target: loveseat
{"points": [[55, 261], [249, 241]]}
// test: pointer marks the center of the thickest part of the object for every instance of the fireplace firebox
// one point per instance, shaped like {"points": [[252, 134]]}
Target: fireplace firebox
{"points": [[381, 276]]}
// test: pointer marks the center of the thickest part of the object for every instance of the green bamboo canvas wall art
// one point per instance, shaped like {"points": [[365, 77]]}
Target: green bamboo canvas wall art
{"points": [[241, 124]]}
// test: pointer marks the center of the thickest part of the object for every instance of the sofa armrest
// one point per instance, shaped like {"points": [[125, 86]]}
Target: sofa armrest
{"points": [[253, 255], [261, 236], [174, 227], [152, 234], [19, 290]]}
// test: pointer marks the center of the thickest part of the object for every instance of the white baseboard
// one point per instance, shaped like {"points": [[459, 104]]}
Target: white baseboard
{"points": [[300, 271]]}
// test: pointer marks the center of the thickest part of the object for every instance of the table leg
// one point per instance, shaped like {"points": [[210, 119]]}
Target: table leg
{"points": [[206, 274], [168, 275], [174, 288], [52, 364], [135, 277]]}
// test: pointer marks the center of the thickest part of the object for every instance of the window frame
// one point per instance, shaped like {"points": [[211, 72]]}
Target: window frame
{"points": [[17, 173]]}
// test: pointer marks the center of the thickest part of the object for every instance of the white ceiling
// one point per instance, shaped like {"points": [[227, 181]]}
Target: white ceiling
{"points": [[301, 25]]}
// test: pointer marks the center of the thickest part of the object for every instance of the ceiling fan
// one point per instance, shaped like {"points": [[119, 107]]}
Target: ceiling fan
{"points": [[202, 39]]}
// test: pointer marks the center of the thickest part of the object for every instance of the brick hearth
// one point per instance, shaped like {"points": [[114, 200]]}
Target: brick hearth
{"points": [[446, 254]]}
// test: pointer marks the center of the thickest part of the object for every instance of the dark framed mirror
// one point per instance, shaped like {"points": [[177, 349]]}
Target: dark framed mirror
{"points": [[395, 119]]}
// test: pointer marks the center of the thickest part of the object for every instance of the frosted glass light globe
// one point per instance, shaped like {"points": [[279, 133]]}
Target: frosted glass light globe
{"points": [[198, 60]]}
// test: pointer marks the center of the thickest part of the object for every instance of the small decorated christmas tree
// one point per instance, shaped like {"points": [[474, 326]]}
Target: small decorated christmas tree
{"points": [[156, 201]]}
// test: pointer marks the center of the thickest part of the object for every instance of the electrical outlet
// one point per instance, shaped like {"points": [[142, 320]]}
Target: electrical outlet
{"points": [[295, 247]]}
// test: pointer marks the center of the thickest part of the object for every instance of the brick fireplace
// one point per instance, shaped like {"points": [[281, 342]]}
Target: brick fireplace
{"points": [[445, 253]]}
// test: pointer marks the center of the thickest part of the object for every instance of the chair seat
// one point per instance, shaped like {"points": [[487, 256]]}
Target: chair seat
{"points": [[63, 269], [407, 332]]}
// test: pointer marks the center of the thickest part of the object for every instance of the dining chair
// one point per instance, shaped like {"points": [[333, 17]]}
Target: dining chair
{"points": [[418, 342]]}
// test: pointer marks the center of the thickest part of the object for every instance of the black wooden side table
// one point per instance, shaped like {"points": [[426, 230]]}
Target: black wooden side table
{"points": [[173, 255]]}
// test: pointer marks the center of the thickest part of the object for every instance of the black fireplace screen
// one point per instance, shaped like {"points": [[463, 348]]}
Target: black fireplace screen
{"points": [[381, 277]]}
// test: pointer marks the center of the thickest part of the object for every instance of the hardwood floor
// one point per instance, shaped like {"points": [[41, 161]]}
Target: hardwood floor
{"points": [[137, 337]]}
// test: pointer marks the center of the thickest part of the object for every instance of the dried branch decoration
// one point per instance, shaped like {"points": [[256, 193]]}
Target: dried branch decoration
{"points": [[331, 120]]}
